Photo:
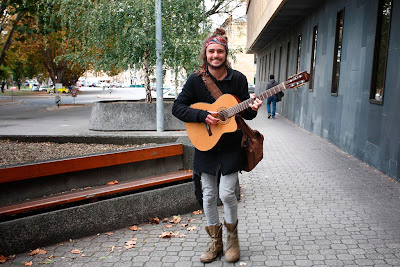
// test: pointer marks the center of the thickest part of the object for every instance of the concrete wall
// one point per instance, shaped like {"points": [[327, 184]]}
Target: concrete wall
{"points": [[132, 115], [368, 131]]}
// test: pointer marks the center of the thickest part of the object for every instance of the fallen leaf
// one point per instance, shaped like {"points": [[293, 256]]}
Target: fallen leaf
{"points": [[166, 234], [177, 219], [76, 251], [198, 212], [109, 233], [169, 225], [38, 251], [130, 243], [112, 182], [184, 224], [3, 259], [28, 263], [154, 220], [165, 220], [112, 248], [191, 228], [170, 234], [51, 257], [134, 228]]}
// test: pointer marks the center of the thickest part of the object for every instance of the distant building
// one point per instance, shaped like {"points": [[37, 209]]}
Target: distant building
{"points": [[237, 37], [351, 49]]}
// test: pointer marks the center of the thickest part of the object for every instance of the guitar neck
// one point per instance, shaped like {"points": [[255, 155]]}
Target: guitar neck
{"points": [[246, 104]]}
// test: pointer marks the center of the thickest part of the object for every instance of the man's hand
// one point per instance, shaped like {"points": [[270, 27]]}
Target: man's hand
{"points": [[212, 118], [256, 102]]}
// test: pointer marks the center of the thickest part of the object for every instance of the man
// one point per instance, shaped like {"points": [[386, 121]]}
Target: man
{"points": [[226, 155], [272, 99]]}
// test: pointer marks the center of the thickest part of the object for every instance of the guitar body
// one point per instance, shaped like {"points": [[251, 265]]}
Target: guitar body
{"points": [[204, 139]]}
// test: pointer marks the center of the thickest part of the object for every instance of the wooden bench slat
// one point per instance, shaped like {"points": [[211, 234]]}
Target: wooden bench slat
{"points": [[28, 171], [95, 192]]}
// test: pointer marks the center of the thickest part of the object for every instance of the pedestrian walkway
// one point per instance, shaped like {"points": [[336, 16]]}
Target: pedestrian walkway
{"points": [[306, 204]]}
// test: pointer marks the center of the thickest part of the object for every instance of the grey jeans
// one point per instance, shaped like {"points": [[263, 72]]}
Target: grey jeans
{"points": [[226, 194]]}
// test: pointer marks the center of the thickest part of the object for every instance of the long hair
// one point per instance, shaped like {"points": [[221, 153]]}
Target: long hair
{"points": [[219, 33]]}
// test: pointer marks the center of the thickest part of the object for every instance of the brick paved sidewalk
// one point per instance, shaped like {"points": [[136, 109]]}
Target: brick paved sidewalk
{"points": [[307, 204]]}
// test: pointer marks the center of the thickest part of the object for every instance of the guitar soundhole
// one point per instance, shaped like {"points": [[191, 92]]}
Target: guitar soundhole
{"points": [[223, 117]]}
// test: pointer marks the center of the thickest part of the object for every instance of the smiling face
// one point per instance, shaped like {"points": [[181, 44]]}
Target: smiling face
{"points": [[216, 56]]}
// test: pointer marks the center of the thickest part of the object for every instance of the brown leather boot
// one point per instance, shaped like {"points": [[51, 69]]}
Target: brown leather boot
{"points": [[232, 253], [216, 246]]}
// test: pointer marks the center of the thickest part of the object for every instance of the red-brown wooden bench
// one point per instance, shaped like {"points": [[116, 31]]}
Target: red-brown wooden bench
{"points": [[36, 170]]}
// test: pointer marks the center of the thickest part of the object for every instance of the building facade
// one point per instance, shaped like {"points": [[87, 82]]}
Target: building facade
{"points": [[351, 48], [236, 34]]}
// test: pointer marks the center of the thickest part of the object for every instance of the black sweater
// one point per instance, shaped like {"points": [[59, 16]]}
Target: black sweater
{"points": [[227, 153]]}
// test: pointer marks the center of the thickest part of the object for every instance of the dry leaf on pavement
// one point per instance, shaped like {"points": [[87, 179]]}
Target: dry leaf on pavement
{"points": [[112, 182], [191, 228], [198, 212], [177, 219], [170, 234], [134, 228], [28, 263], [130, 243], [154, 220], [3, 259], [76, 251], [38, 251], [109, 233]]}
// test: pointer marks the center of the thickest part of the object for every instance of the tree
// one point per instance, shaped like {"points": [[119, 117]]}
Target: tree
{"points": [[12, 13], [118, 35]]}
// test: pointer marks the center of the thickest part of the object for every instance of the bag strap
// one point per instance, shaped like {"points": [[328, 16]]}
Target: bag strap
{"points": [[211, 86]]}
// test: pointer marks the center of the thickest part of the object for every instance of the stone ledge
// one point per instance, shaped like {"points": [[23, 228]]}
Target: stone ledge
{"points": [[130, 115], [62, 225]]}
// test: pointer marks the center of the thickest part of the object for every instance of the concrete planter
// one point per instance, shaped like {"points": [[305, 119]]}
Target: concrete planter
{"points": [[131, 115]]}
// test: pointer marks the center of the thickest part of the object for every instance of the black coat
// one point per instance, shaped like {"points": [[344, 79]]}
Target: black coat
{"points": [[227, 153]]}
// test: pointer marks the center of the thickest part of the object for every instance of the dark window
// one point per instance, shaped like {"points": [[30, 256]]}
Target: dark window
{"points": [[269, 65], [337, 56], [279, 64], [381, 51], [255, 59], [273, 65], [287, 60], [265, 67], [313, 56], [298, 54]]}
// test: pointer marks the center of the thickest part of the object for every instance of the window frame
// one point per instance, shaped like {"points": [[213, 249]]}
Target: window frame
{"points": [[298, 59], [338, 42], [376, 55], [313, 57], [287, 60]]}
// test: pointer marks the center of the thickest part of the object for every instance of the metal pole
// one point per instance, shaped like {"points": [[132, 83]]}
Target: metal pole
{"points": [[159, 70]]}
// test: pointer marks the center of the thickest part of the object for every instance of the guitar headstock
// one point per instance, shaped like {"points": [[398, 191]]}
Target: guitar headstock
{"points": [[297, 80]]}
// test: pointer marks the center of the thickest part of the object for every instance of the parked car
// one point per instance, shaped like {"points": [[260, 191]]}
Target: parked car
{"points": [[35, 87], [252, 88], [171, 93], [59, 90]]}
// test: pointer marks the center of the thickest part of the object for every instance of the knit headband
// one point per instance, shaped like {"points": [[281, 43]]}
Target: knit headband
{"points": [[217, 40]]}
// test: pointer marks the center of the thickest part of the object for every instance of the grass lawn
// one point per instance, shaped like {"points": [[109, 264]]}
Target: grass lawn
{"points": [[21, 92]]}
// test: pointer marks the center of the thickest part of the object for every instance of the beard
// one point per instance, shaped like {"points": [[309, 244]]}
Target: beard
{"points": [[223, 65]]}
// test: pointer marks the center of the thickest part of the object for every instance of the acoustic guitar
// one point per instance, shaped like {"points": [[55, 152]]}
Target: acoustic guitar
{"points": [[204, 137]]}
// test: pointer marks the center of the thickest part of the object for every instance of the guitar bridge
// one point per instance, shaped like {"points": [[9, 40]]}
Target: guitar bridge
{"points": [[208, 129]]}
